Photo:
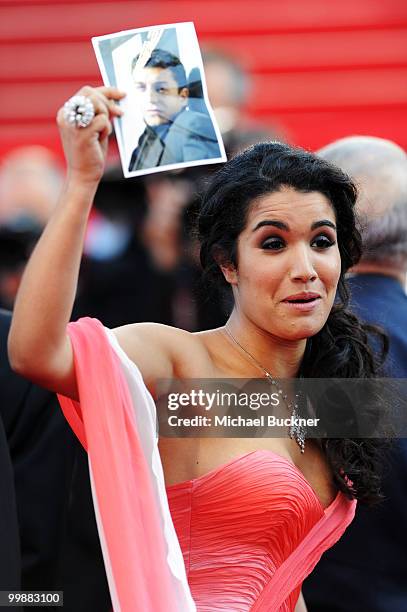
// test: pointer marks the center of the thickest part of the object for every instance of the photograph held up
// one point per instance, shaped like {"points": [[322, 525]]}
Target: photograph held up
{"points": [[167, 121]]}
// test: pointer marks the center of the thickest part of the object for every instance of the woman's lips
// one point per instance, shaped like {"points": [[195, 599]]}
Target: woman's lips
{"points": [[305, 306]]}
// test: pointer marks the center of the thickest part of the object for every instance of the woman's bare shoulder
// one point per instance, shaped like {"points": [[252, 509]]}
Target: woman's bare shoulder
{"points": [[131, 336], [162, 351]]}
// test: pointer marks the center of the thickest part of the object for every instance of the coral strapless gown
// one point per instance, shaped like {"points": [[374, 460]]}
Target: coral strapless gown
{"points": [[251, 530], [240, 538]]}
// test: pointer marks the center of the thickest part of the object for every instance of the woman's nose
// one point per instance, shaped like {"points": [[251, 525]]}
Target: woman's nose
{"points": [[302, 265]]}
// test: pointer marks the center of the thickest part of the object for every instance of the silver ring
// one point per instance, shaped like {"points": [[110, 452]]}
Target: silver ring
{"points": [[79, 111]]}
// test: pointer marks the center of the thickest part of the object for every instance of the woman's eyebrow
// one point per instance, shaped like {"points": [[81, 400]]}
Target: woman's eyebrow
{"points": [[278, 224], [322, 223], [283, 226]]}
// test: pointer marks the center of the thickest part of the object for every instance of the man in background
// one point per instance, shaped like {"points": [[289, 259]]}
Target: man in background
{"points": [[229, 89], [36, 454], [36, 444], [367, 569], [30, 182], [31, 179], [173, 133], [10, 557]]}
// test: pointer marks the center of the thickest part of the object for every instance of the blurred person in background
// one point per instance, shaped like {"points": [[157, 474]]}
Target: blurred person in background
{"points": [[15, 248], [368, 567], [30, 181], [10, 554], [120, 257], [36, 447], [36, 454], [229, 88]]}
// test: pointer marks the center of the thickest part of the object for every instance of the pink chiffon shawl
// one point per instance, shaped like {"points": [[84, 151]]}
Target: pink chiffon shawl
{"points": [[115, 422]]}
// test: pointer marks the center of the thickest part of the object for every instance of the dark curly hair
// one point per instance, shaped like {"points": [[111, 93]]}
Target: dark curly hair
{"points": [[341, 348]]}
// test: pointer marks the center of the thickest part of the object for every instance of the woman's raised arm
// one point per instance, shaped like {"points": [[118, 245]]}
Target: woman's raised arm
{"points": [[39, 347]]}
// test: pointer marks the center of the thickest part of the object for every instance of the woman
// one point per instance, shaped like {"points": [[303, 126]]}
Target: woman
{"points": [[252, 516]]}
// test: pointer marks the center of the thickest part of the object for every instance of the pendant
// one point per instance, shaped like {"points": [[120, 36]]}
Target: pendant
{"points": [[297, 431]]}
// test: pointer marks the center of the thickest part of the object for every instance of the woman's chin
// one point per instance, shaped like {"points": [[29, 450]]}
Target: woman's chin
{"points": [[302, 332]]}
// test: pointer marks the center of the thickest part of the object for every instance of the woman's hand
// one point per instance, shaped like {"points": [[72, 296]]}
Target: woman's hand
{"points": [[86, 148]]}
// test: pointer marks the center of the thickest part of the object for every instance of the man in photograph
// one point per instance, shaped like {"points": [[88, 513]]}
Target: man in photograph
{"points": [[173, 133]]}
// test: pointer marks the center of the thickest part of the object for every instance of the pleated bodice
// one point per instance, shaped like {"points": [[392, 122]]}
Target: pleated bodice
{"points": [[242, 523]]}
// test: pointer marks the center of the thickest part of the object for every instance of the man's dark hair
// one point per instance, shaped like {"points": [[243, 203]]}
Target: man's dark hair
{"points": [[160, 58]]}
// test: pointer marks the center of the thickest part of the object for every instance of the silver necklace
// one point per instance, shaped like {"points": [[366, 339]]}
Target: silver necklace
{"points": [[296, 431]]}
